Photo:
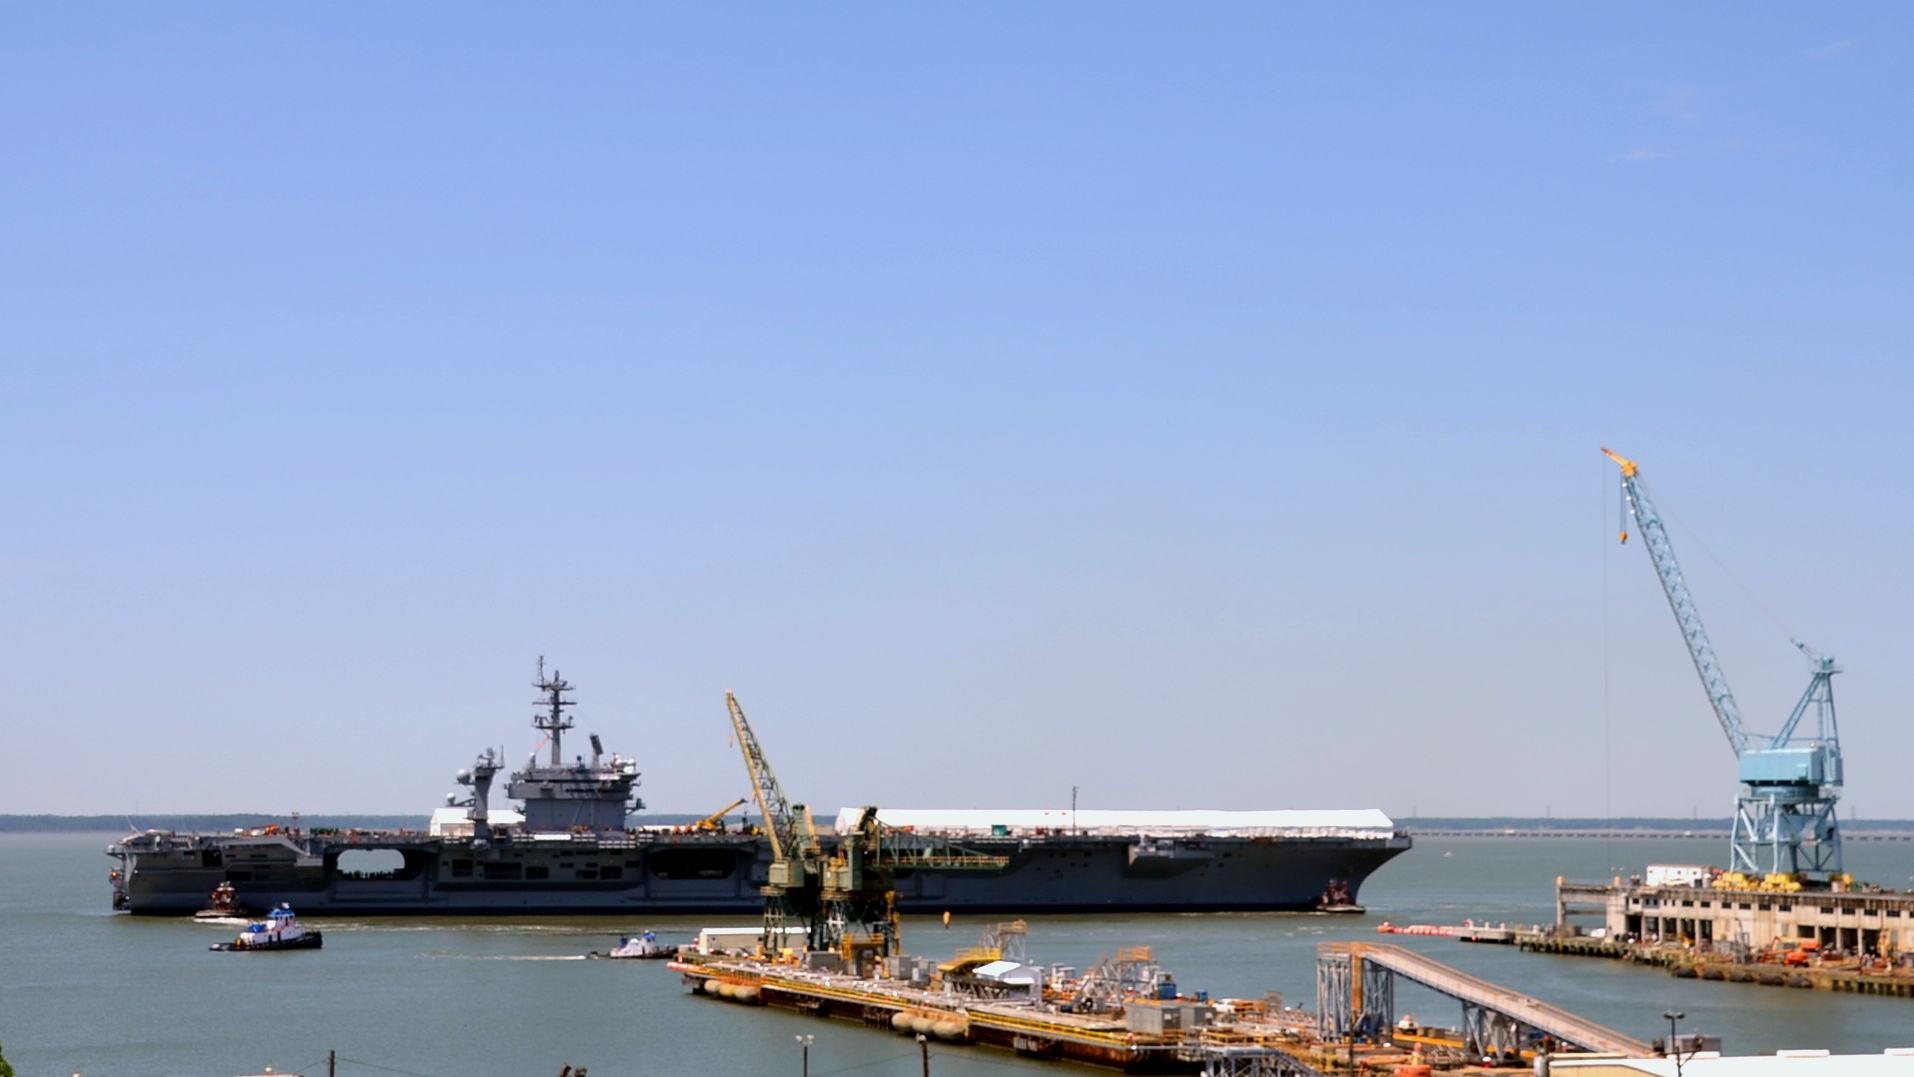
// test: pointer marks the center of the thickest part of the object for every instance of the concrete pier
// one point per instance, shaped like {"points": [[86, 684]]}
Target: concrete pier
{"points": [[1880, 923], [1861, 942]]}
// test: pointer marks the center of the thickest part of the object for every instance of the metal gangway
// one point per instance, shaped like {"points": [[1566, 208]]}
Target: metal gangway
{"points": [[1355, 998]]}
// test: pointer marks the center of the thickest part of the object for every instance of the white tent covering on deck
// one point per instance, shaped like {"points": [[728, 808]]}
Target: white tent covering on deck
{"points": [[452, 823], [1022, 822]]}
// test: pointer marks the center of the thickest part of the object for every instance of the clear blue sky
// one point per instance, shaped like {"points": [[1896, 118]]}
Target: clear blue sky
{"points": [[1195, 404]]}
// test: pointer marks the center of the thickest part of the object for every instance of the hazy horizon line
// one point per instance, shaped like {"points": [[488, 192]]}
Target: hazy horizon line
{"points": [[117, 821]]}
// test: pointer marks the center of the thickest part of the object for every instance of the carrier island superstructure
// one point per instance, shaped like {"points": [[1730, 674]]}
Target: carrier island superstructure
{"points": [[568, 849]]}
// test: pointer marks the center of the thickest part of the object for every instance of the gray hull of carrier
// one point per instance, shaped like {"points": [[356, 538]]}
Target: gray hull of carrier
{"points": [[658, 874], [568, 851]]}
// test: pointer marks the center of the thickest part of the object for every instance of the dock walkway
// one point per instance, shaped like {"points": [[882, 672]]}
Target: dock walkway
{"points": [[1475, 994]]}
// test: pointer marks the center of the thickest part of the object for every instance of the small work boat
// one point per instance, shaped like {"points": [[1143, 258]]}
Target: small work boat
{"points": [[1337, 899], [643, 947], [281, 930], [222, 906]]}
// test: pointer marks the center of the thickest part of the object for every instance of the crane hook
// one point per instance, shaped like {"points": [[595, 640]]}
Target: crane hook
{"points": [[1628, 471]]}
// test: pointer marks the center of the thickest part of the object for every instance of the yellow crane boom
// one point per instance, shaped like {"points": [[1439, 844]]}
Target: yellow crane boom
{"points": [[716, 819]]}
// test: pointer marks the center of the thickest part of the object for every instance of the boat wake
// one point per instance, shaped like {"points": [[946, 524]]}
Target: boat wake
{"points": [[508, 957]]}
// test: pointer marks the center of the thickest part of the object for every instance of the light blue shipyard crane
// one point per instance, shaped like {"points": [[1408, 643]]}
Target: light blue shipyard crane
{"points": [[1785, 823]]}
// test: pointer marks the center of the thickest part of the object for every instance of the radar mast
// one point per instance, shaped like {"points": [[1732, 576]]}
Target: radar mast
{"points": [[553, 720]]}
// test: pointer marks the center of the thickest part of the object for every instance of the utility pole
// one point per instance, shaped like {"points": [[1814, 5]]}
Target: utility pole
{"points": [[1073, 807], [923, 1042], [332, 1064]]}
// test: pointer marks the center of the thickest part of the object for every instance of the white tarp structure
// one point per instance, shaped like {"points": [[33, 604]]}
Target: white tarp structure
{"points": [[1023, 822], [1676, 874], [1017, 978], [724, 940], [1009, 972], [452, 823]]}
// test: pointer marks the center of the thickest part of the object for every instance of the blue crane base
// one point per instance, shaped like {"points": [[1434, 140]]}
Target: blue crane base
{"points": [[1786, 830]]}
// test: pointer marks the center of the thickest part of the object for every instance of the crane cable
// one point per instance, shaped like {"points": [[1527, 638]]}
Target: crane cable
{"points": [[1621, 508], [1608, 784], [1719, 563]]}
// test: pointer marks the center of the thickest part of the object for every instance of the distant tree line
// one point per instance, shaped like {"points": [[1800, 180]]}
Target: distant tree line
{"points": [[209, 824], [1628, 822]]}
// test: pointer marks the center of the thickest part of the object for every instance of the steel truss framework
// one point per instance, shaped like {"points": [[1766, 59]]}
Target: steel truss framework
{"points": [[1242, 1060], [1780, 834], [1344, 1011], [1370, 1015], [1486, 1033], [1355, 1000]]}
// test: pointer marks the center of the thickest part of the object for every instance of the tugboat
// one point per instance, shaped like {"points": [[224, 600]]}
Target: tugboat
{"points": [[1337, 899], [222, 907], [644, 947], [281, 930]]}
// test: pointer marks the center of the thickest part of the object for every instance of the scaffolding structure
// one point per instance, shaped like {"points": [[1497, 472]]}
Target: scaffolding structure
{"points": [[1245, 1060]]}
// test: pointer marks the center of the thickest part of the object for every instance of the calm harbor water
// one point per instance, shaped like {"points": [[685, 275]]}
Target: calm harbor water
{"points": [[85, 991]]}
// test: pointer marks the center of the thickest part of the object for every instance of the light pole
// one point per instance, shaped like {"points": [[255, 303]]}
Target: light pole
{"points": [[923, 1044], [1673, 1048], [805, 1043]]}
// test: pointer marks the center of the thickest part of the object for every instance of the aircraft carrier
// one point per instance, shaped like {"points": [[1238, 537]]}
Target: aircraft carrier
{"points": [[568, 850]]}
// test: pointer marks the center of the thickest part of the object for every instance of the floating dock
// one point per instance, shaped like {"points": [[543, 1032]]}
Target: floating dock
{"points": [[1126, 1013], [1231, 1029], [1503, 934]]}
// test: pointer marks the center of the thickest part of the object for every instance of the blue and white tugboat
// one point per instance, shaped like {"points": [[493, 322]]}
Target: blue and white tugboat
{"points": [[280, 930]]}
